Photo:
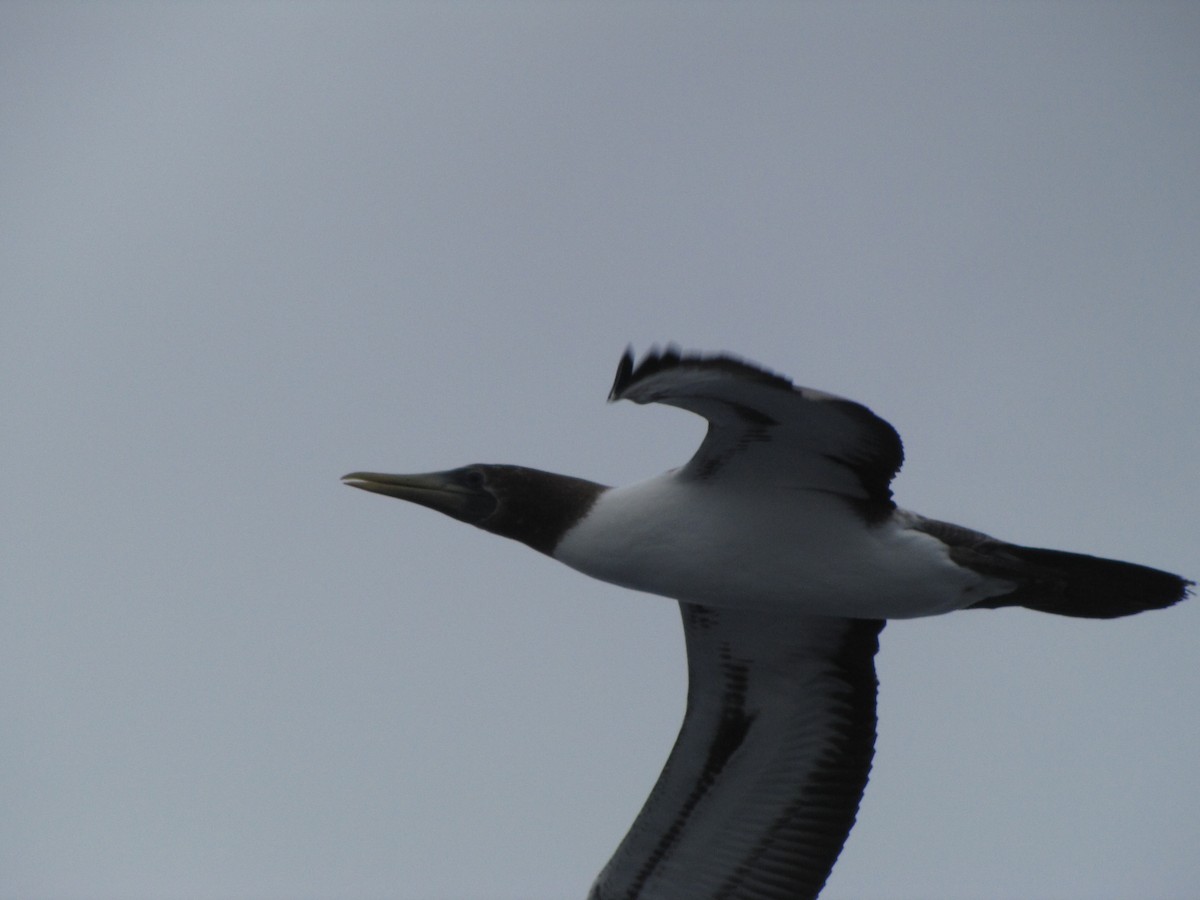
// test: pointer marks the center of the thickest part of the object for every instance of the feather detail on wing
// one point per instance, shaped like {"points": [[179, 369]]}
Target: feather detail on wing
{"points": [[762, 427], [764, 782]]}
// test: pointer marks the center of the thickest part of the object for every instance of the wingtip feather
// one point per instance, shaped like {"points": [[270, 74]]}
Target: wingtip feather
{"points": [[657, 359], [624, 371]]}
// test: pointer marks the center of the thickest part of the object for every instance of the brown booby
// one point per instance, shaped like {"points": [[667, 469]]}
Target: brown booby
{"points": [[782, 544]]}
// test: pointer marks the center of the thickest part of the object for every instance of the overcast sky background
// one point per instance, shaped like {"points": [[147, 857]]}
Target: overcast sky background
{"points": [[247, 248]]}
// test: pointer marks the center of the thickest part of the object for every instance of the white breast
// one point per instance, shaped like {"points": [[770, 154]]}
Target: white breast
{"points": [[747, 547]]}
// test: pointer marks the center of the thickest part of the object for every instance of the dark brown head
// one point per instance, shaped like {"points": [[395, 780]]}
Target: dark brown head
{"points": [[527, 505]]}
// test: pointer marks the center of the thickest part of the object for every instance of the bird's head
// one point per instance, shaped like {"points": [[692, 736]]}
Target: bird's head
{"points": [[528, 505]]}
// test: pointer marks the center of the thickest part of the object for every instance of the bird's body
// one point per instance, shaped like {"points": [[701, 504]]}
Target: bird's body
{"points": [[680, 538], [782, 544]]}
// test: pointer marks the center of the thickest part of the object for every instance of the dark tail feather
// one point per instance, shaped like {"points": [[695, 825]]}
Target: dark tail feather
{"points": [[1073, 584]]}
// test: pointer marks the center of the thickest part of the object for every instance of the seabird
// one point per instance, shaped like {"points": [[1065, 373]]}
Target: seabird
{"points": [[782, 544]]}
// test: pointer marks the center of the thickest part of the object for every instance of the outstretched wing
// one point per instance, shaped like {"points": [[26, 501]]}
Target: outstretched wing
{"points": [[762, 427], [764, 782]]}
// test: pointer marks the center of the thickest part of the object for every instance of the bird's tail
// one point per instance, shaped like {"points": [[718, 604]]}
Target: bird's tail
{"points": [[1089, 587]]}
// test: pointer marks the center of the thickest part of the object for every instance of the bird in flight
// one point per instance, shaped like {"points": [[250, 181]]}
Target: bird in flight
{"points": [[781, 543]]}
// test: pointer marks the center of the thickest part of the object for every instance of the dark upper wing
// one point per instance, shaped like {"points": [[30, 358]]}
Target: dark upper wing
{"points": [[763, 784], [762, 427]]}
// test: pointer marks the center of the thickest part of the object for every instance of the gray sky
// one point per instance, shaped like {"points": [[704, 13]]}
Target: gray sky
{"points": [[249, 248]]}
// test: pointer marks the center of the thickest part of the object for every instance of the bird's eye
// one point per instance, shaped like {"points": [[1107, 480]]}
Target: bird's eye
{"points": [[473, 479]]}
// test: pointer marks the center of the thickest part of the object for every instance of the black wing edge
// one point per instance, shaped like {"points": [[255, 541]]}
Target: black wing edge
{"points": [[849, 767], [794, 858], [672, 357], [876, 474]]}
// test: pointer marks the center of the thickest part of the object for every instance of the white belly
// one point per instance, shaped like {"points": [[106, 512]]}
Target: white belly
{"points": [[802, 550]]}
